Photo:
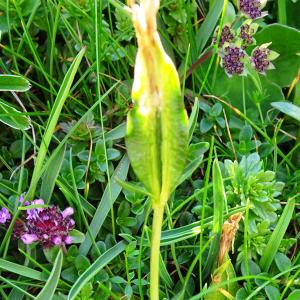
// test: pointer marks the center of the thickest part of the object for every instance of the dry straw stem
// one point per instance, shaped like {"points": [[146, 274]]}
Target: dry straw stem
{"points": [[230, 228]]}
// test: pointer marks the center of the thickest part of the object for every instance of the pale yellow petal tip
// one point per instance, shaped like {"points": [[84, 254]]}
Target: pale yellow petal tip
{"points": [[144, 17]]}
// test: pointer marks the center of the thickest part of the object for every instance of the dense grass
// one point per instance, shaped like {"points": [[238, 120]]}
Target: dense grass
{"points": [[63, 140]]}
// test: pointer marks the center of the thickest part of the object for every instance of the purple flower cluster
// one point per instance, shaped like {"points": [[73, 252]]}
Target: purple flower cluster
{"points": [[246, 33], [232, 60], [226, 36], [46, 225], [260, 59], [4, 215], [251, 8]]}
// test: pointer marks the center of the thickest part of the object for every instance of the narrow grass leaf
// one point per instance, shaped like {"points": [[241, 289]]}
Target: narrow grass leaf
{"points": [[8, 266], [273, 245], [193, 118], [208, 25], [164, 274], [219, 197], [52, 121], [193, 165], [14, 83], [48, 290], [104, 206], [16, 287], [100, 263], [51, 174], [135, 188], [288, 108], [116, 133], [12, 117]]}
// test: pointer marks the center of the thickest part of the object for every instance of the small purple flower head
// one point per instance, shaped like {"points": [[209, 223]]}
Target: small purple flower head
{"points": [[226, 36], [33, 213], [246, 35], [4, 215], [69, 211], [251, 8], [261, 58], [21, 200], [232, 60], [50, 226], [29, 238], [68, 240]]}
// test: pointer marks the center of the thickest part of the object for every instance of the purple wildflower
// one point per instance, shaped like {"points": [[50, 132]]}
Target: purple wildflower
{"points": [[33, 213], [49, 225], [29, 238], [251, 8], [260, 59], [226, 36], [232, 60], [246, 33], [4, 215]]}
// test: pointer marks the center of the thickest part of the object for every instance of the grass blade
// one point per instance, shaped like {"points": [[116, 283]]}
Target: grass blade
{"points": [[277, 236], [288, 108], [12, 117], [8, 266], [51, 174], [193, 119], [52, 121], [48, 290], [101, 262], [104, 206], [208, 25], [14, 83], [219, 201]]}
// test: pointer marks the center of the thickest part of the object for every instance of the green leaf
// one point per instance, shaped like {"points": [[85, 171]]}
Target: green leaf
{"points": [[219, 202], [205, 125], [272, 292], [288, 108], [99, 264], [195, 163], [295, 295], [231, 89], [12, 117], [61, 97], [277, 236], [157, 126], [208, 25], [164, 274], [285, 41], [283, 263], [48, 290], [14, 83], [132, 187], [193, 118], [51, 174], [8, 266], [77, 236], [221, 275], [104, 205], [116, 133]]}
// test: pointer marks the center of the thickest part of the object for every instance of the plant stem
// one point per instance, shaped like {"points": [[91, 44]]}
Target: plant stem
{"points": [[158, 212], [282, 11]]}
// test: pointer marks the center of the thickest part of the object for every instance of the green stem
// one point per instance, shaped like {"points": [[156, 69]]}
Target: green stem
{"points": [[158, 212], [282, 11]]}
